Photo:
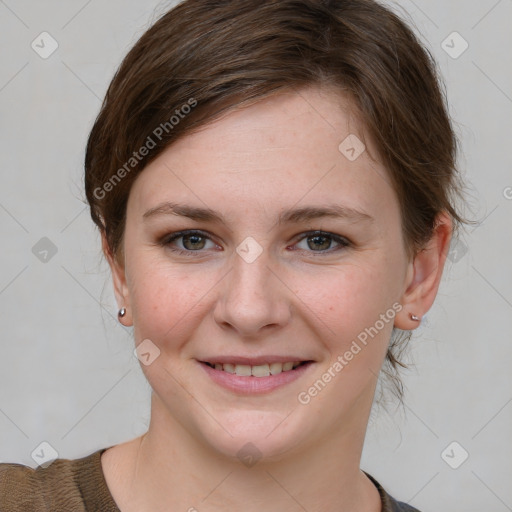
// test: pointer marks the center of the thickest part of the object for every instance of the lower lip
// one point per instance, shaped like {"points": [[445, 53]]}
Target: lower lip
{"points": [[253, 385]]}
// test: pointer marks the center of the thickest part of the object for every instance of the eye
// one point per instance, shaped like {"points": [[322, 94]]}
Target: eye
{"points": [[193, 241], [320, 241], [188, 241]]}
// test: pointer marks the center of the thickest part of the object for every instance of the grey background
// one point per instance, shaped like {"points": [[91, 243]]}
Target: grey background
{"points": [[67, 371]]}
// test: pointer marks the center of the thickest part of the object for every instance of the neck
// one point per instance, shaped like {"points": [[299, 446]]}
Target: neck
{"points": [[167, 469]]}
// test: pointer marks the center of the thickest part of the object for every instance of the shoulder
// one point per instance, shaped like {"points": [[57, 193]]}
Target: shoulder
{"points": [[19, 489], [63, 485], [390, 504]]}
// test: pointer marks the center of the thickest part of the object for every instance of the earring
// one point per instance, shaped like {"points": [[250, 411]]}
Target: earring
{"points": [[414, 317], [121, 313]]}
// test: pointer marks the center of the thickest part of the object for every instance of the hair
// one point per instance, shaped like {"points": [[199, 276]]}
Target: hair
{"points": [[204, 58]]}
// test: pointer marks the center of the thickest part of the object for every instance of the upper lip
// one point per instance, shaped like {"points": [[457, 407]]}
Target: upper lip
{"points": [[252, 361]]}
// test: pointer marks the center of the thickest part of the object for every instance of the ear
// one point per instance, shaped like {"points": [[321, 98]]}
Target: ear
{"points": [[119, 281], [424, 275]]}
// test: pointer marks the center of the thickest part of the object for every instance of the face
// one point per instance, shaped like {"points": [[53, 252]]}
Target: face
{"points": [[259, 240]]}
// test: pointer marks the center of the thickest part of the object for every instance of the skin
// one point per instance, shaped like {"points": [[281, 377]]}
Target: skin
{"points": [[304, 296]]}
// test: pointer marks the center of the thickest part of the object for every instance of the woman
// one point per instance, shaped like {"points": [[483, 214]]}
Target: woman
{"points": [[273, 182]]}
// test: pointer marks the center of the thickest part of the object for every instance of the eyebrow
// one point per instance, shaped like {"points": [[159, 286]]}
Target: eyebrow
{"points": [[296, 215]]}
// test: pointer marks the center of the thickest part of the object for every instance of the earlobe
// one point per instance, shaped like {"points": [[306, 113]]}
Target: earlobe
{"points": [[119, 282], [424, 275]]}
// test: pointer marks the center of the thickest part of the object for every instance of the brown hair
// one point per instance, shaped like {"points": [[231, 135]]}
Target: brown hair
{"points": [[204, 57]]}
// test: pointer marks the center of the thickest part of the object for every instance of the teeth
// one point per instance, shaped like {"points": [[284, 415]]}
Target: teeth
{"points": [[276, 368], [230, 368], [261, 370], [243, 369]]}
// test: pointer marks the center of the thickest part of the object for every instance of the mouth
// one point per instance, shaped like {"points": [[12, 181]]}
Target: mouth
{"points": [[261, 378], [259, 370]]}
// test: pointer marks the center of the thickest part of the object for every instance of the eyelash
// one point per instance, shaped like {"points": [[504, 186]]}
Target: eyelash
{"points": [[168, 239]]}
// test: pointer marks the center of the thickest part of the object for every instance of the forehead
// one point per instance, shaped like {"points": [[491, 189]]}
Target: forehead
{"points": [[290, 147]]}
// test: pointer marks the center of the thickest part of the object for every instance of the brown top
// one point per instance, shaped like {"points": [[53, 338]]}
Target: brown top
{"points": [[79, 485]]}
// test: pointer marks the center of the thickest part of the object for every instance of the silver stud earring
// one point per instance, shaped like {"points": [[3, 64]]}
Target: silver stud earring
{"points": [[414, 318], [121, 313]]}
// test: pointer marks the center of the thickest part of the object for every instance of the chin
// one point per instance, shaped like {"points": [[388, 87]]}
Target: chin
{"points": [[250, 436]]}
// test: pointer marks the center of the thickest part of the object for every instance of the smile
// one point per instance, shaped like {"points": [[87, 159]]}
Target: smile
{"points": [[260, 370], [255, 379]]}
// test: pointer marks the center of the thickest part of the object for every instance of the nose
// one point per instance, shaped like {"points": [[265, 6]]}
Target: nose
{"points": [[252, 298]]}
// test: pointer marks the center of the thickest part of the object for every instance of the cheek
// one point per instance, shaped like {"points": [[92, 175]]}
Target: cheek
{"points": [[355, 306], [166, 301], [348, 299], [355, 309]]}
